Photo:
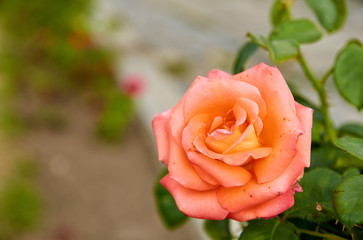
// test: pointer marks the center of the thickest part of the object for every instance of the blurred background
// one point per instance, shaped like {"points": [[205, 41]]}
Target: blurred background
{"points": [[80, 81]]}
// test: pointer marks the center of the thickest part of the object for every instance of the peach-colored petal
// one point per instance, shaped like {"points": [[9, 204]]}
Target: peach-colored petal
{"points": [[252, 113], [267, 209], [216, 73], [248, 140], [240, 114], [181, 169], [217, 122], [235, 159], [205, 176], [252, 194], [227, 176], [222, 140], [197, 126], [267, 79], [161, 129], [281, 131], [305, 115], [220, 135], [177, 119], [197, 204], [217, 97]]}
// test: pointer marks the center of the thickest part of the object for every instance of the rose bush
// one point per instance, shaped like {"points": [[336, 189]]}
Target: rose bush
{"points": [[235, 146]]}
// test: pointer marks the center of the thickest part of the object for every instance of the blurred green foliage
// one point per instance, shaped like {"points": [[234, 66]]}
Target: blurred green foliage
{"points": [[49, 58], [20, 201]]}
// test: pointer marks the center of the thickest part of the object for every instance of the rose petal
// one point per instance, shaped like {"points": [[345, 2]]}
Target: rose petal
{"points": [[248, 140], [267, 79], [305, 115], [235, 159], [267, 209], [252, 194], [252, 113], [177, 119], [160, 126], [222, 141], [181, 169], [281, 131], [218, 97], [216, 73], [240, 114], [227, 176], [197, 204], [217, 122], [205, 176], [197, 126]]}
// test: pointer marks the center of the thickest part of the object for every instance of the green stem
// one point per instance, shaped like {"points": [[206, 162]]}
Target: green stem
{"points": [[326, 76], [324, 106], [323, 235]]}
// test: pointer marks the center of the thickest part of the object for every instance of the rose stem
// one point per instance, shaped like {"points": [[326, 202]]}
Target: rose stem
{"points": [[319, 87], [318, 234]]}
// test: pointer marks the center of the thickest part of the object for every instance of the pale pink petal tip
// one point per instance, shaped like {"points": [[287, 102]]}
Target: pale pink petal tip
{"points": [[216, 73], [296, 188]]}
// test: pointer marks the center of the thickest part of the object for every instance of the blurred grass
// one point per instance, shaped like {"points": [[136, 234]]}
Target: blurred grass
{"points": [[20, 201]]}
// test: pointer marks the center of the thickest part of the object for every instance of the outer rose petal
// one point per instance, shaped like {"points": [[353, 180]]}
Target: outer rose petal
{"points": [[218, 97], [267, 79], [160, 125], [216, 73], [177, 120], [281, 131], [305, 115], [267, 209], [252, 194], [197, 204]]}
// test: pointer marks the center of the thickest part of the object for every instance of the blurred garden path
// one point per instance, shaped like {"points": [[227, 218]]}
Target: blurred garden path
{"points": [[93, 190]]}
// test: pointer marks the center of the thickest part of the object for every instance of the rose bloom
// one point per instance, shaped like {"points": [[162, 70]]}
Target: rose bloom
{"points": [[235, 146]]}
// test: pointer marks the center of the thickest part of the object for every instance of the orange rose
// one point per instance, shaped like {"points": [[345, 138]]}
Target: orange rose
{"points": [[235, 146]]}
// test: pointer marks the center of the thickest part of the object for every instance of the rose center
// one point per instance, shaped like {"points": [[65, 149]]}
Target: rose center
{"points": [[226, 136]]}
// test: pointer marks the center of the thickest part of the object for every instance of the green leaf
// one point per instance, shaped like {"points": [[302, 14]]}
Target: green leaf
{"points": [[217, 230], [283, 50], [243, 54], [355, 129], [350, 173], [300, 30], [352, 145], [318, 187], [280, 49], [280, 11], [348, 73], [348, 200], [170, 214], [333, 157], [269, 230], [330, 13], [259, 39], [324, 156]]}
